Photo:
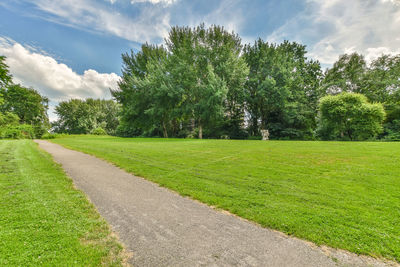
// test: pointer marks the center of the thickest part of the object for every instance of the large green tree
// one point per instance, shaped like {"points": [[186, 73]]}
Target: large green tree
{"points": [[134, 95], [196, 83], [200, 68], [223, 51], [282, 89], [349, 116]]}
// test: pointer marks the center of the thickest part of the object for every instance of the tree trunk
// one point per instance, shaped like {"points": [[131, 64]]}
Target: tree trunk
{"points": [[255, 126], [165, 130], [192, 125], [200, 131]]}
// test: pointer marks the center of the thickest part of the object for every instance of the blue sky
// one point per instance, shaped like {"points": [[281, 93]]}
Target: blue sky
{"points": [[72, 48]]}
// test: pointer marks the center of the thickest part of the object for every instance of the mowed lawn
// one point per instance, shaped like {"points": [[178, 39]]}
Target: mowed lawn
{"points": [[43, 219], [342, 194]]}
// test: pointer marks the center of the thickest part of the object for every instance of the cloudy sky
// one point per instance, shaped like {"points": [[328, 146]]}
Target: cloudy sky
{"points": [[72, 48]]}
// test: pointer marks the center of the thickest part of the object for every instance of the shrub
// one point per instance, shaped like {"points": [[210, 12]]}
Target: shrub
{"points": [[22, 131], [349, 116], [99, 131], [8, 118], [49, 136]]}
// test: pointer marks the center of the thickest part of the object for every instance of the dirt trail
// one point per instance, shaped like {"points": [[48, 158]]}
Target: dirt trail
{"points": [[161, 228]]}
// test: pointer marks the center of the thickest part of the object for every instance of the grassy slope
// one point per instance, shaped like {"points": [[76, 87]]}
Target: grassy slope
{"points": [[342, 194], [43, 219]]}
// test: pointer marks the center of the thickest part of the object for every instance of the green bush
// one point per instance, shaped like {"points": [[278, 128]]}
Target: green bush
{"points": [[349, 116], [48, 136], [8, 118], [53, 135], [22, 131], [99, 131]]}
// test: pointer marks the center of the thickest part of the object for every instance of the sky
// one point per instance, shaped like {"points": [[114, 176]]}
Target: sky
{"points": [[72, 48]]}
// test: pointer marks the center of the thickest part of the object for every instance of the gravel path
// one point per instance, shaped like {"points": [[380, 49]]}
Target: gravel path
{"points": [[161, 228]]}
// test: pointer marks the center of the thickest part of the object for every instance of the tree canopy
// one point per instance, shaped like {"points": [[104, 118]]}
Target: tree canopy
{"points": [[193, 85], [203, 82], [78, 116], [282, 89]]}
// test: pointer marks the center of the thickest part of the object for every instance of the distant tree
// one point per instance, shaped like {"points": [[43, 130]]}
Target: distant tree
{"points": [[78, 116], [382, 80], [346, 75], [382, 83], [28, 105], [349, 116]]}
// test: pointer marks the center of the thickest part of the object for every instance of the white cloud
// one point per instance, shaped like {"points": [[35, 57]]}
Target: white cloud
{"points": [[226, 13], [151, 24], [339, 26], [167, 2], [51, 78]]}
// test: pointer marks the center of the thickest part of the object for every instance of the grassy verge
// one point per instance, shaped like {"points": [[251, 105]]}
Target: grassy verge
{"points": [[342, 194], [43, 219]]}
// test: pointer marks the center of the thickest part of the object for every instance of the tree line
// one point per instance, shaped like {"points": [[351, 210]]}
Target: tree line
{"points": [[204, 83]]}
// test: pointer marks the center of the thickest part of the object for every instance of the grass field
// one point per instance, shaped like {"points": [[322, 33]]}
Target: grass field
{"points": [[342, 194], [43, 219]]}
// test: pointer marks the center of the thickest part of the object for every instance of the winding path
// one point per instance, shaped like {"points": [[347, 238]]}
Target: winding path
{"points": [[161, 228]]}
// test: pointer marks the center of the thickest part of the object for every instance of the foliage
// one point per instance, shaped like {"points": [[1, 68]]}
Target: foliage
{"points": [[195, 84], [17, 131], [350, 116], [5, 77], [45, 221], [381, 82], [346, 75], [28, 105], [99, 131], [341, 194], [133, 98], [282, 89], [53, 135], [23, 111], [392, 130], [203, 82], [8, 118], [49, 136], [77, 116]]}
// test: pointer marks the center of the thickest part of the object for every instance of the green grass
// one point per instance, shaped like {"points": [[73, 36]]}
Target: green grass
{"points": [[341, 194], [43, 219]]}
